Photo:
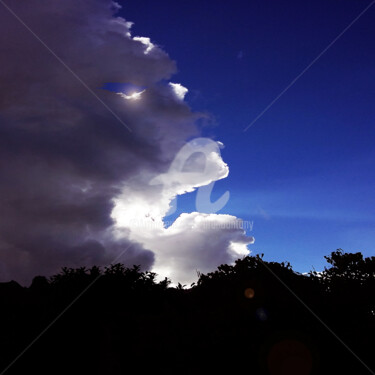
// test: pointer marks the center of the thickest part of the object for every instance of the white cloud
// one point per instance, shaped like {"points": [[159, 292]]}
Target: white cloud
{"points": [[179, 90], [195, 241], [145, 41], [198, 241]]}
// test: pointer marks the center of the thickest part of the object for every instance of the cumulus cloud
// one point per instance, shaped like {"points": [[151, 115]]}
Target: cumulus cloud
{"points": [[198, 242], [68, 165], [195, 241]]}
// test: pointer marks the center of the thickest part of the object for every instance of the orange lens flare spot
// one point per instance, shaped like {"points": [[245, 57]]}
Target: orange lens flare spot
{"points": [[249, 293]]}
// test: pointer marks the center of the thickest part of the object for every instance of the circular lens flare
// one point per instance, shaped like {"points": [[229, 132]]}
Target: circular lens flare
{"points": [[249, 293]]}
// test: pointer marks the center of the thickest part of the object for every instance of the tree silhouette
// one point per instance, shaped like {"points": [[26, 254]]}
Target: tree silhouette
{"points": [[246, 314]]}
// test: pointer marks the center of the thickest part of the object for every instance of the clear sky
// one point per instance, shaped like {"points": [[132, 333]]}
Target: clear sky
{"points": [[304, 171]]}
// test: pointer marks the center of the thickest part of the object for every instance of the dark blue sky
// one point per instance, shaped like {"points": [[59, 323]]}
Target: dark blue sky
{"points": [[304, 172]]}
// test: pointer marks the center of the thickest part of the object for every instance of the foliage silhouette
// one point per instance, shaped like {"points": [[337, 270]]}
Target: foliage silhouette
{"points": [[239, 316]]}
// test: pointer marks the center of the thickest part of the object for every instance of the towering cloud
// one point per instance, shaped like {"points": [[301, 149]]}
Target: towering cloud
{"points": [[75, 159]]}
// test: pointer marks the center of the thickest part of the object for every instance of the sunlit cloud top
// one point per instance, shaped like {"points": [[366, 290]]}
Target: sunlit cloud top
{"points": [[132, 96], [146, 41], [179, 90]]}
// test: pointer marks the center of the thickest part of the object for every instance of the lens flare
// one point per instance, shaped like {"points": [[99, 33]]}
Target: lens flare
{"points": [[249, 293]]}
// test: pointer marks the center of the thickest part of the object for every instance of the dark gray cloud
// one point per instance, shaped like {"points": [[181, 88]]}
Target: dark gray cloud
{"points": [[74, 181], [63, 155]]}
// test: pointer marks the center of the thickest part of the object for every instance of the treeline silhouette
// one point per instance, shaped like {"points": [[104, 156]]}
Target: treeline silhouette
{"points": [[253, 317]]}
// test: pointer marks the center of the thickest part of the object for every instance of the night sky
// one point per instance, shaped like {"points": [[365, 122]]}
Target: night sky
{"points": [[92, 111]]}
